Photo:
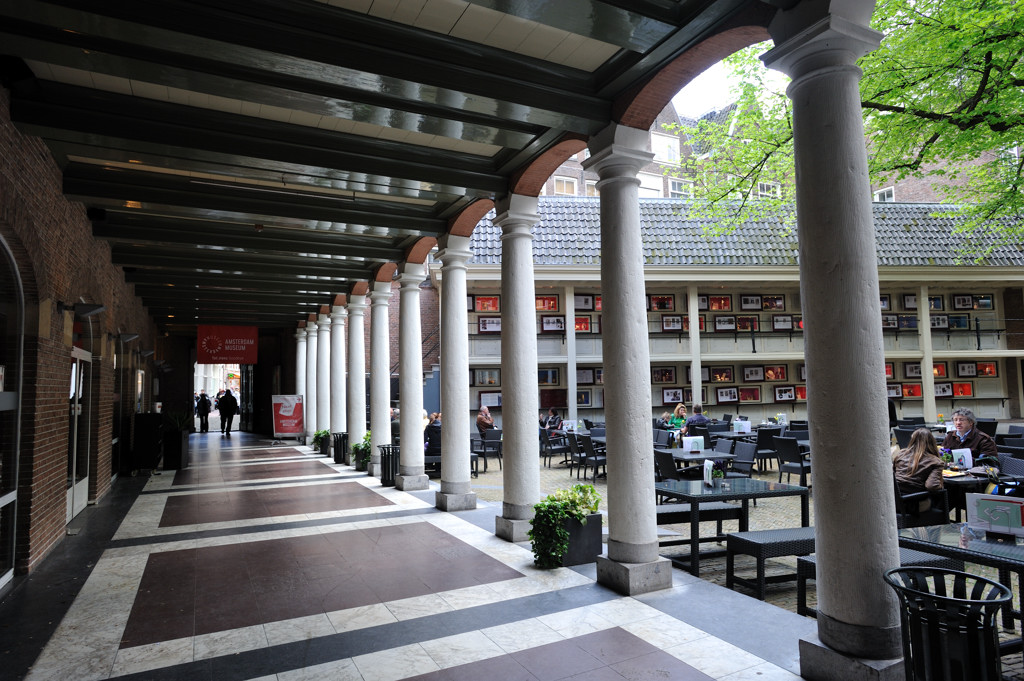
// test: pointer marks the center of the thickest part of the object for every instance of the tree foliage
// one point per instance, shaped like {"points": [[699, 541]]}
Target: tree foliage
{"points": [[943, 101]]}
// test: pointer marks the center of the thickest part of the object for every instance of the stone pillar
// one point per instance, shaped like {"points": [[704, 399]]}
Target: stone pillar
{"points": [[323, 370], [572, 413], [857, 613], [455, 493], [693, 314], [338, 383], [516, 215], [380, 372], [924, 331], [411, 475], [300, 369], [632, 564], [311, 366], [356, 372]]}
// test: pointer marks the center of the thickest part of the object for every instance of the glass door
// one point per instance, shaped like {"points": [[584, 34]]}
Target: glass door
{"points": [[12, 314], [79, 431]]}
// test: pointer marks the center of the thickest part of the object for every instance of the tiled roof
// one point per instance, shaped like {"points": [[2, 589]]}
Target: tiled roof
{"points": [[569, 233]]}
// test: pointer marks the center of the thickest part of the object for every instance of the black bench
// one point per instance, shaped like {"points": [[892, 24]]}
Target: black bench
{"points": [[762, 545], [434, 464], [712, 511], [806, 568]]}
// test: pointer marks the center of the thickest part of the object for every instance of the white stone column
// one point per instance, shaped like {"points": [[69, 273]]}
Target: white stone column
{"points": [[924, 331], [380, 372], [572, 413], [516, 215], [323, 371], [455, 493], [857, 613], [632, 564], [356, 372], [693, 314], [411, 475], [311, 366], [300, 370], [339, 420]]}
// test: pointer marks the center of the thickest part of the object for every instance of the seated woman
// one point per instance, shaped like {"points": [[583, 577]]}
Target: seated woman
{"points": [[918, 468], [678, 419], [663, 422], [432, 437]]}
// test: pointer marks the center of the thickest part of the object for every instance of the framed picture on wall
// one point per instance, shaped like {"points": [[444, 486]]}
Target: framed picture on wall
{"points": [[884, 302], [597, 303], [983, 301], [939, 370], [547, 377], [890, 370], [546, 303], [725, 323], [688, 395], [552, 324], [801, 393], [720, 303], [583, 303], [584, 397], [747, 323], [749, 301], [782, 322], [750, 393], [966, 369], [939, 321], [935, 303], [584, 377], [963, 301], [487, 304], [488, 377], [909, 301], [671, 322], [599, 376], [773, 303], [554, 397], [469, 304], [702, 302], [705, 374], [753, 373], [907, 321], [890, 321], [988, 369], [775, 372], [943, 389], [911, 370], [671, 395], [686, 323], [583, 324], [801, 372], [785, 393], [959, 322], [721, 374], [726, 395], [912, 390], [663, 302], [663, 374], [963, 389], [894, 390], [490, 399], [488, 325]]}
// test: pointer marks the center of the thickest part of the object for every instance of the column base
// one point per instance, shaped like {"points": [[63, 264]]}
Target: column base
{"points": [[510, 529], [818, 662], [630, 579], [444, 501], [373, 469], [412, 482]]}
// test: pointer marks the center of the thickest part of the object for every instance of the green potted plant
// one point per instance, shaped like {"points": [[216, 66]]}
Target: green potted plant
{"points": [[361, 452], [322, 442], [567, 528], [177, 427]]}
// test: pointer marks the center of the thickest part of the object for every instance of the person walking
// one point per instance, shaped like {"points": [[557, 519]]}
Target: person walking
{"points": [[227, 407], [203, 406]]}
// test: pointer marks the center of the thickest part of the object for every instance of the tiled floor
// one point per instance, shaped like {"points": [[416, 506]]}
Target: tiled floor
{"points": [[268, 562]]}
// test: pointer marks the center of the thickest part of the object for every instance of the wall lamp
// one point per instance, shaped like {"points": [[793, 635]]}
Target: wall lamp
{"points": [[128, 337], [146, 353], [83, 310]]}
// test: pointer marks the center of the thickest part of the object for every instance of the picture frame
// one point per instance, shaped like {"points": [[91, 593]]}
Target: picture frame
{"points": [[984, 301], [582, 324], [597, 303], [894, 390], [963, 301], [490, 399], [584, 397], [798, 322], [910, 301], [705, 374], [598, 376], [776, 372], [801, 372], [801, 393], [939, 370], [890, 321], [750, 393], [939, 321], [936, 303], [911, 370], [488, 325], [912, 390], [753, 373], [749, 301], [702, 302], [552, 324], [987, 369], [966, 369], [487, 377], [686, 323], [663, 374], [720, 303], [721, 374], [486, 303], [470, 303], [671, 395], [583, 302], [672, 323], [725, 323], [782, 322], [662, 302], [963, 389], [773, 303], [548, 377], [907, 321], [584, 377], [748, 323], [890, 371], [884, 302], [554, 397], [943, 389], [959, 322], [726, 395], [688, 395], [546, 303], [785, 393]]}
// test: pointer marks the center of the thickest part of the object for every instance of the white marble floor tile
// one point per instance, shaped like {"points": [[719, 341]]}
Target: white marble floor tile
{"points": [[624, 610], [471, 596], [516, 588], [337, 670], [765, 671], [230, 642], [714, 656], [298, 629], [153, 656], [362, 617], [452, 651], [516, 636], [576, 622], [418, 606], [396, 663], [664, 631]]}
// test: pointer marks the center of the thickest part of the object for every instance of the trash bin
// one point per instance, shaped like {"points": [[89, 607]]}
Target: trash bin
{"points": [[388, 464], [340, 446], [949, 624]]}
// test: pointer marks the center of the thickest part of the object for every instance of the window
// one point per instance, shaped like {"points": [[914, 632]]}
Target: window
{"points": [[680, 189], [665, 148], [651, 186], [565, 186], [592, 188], [769, 190], [887, 195]]}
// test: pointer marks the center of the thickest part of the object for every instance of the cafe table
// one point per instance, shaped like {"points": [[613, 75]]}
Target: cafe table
{"points": [[957, 540], [688, 456], [695, 492]]}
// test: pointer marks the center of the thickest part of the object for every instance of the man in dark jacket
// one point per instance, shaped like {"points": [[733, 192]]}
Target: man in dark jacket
{"points": [[967, 436], [203, 407], [227, 407]]}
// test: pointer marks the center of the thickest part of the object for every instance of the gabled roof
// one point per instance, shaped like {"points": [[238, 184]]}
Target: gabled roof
{"points": [[569, 233]]}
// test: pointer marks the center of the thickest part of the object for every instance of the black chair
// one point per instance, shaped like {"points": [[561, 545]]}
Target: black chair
{"points": [[724, 446], [765, 444], [903, 436], [727, 418], [743, 465], [576, 454], [798, 425], [592, 458], [909, 511], [1015, 452], [987, 426], [552, 445], [718, 427], [1014, 442], [791, 460], [1014, 429], [596, 431], [665, 466], [491, 444], [662, 439], [701, 431]]}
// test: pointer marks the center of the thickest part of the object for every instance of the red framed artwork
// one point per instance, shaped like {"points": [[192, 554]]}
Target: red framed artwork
{"points": [[487, 304]]}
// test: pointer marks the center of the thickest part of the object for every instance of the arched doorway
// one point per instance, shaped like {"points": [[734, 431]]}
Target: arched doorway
{"points": [[12, 327]]}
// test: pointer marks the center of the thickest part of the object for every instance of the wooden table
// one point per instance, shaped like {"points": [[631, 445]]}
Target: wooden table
{"points": [[694, 492]]}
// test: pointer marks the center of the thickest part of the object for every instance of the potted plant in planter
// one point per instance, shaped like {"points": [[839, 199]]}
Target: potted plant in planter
{"points": [[361, 453], [322, 442], [177, 426], [567, 528]]}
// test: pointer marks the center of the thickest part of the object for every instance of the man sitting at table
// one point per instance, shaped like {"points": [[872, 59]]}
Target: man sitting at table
{"points": [[697, 419], [966, 436]]}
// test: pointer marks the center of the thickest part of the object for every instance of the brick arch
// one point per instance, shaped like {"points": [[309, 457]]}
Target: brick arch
{"points": [[418, 252], [385, 272], [466, 221], [360, 288], [640, 107], [528, 181]]}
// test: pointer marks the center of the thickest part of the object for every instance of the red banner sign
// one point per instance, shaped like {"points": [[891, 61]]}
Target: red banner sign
{"points": [[227, 344], [287, 411]]}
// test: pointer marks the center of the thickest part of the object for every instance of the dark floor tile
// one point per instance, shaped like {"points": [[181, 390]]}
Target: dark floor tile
{"points": [[284, 469], [556, 660], [602, 674], [658, 666], [614, 645]]}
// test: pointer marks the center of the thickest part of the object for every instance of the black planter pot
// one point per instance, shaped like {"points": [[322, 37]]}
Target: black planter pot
{"points": [[176, 449], [325, 447], [584, 541]]}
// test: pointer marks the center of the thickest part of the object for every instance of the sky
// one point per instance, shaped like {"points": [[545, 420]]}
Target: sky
{"points": [[707, 92]]}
